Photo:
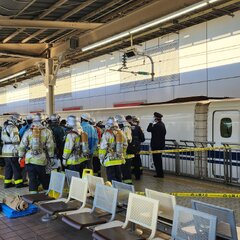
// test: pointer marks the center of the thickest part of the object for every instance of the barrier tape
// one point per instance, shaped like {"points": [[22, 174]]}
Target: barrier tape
{"points": [[206, 195], [183, 150]]}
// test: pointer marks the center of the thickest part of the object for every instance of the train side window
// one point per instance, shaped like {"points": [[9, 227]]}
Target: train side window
{"points": [[226, 127]]}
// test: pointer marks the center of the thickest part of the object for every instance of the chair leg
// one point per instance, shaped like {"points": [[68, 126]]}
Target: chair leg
{"points": [[48, 218]]}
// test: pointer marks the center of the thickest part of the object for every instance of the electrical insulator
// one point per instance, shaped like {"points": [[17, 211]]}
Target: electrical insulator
{"points": [[124, 60]]}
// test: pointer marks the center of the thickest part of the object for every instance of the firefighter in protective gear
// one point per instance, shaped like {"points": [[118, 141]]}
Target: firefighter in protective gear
{"points": [[111, 150], [126, 168], [96, 160], [75, 153], [11, 140], [29, 120], [58, 136], [38, 148], [92, 136], [135, 146]]}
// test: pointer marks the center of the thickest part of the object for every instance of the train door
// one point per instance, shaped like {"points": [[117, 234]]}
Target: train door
{"points": [[226, 129]]}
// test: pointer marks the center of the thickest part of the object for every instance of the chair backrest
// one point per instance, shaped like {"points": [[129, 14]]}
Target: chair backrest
{"points": [[167, 203], [192, 224], [142, 211], [69, 174], [105, 199], [78, 190], [57, 181], [123, 191], [226, 224], [92, 181]]}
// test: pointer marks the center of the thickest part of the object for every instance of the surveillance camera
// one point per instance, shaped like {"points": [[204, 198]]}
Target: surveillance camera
{"points": [[15, 85]]}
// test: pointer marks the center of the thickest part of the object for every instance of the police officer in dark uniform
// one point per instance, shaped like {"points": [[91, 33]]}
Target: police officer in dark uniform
{"points": [[135, 146], [158, 131]]}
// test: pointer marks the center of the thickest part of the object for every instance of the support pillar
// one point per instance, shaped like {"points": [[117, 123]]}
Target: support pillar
{"points": [[49, 73]]}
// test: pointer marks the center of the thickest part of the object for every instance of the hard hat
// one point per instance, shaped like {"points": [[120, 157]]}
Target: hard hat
{"points": [[92, 121], [37, 117], [111, 123], [71, 121], [29, 117], [53, 118], [120, 119], [135, 119], [15, 117], [86, 116]]}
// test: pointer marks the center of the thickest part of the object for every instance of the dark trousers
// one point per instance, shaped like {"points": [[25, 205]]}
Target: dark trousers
{"points": [[157, 160], [127, 171], [137, 166], [37, 175], [113, 173], [96, 167], [78, 167], [12, 168]]}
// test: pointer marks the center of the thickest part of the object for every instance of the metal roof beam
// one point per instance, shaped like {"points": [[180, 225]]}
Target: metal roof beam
{"points": [[41, 16], [38, 24], [65, 16], [10, 59]]}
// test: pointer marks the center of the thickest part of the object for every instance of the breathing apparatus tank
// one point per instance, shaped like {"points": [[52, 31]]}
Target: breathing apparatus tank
{"points": [[84, 143], [119, 143], [36, 140]]}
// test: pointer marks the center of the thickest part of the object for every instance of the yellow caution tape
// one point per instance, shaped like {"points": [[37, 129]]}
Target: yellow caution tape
{"points": [[183, 150], [206, 195]]}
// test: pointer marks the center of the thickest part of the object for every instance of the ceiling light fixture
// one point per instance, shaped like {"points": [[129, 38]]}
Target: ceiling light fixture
{"points": [[150, 24], [13, 76]]}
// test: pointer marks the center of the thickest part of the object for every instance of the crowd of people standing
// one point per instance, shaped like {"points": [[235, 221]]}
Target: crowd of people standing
{"points": [[33, 147]]}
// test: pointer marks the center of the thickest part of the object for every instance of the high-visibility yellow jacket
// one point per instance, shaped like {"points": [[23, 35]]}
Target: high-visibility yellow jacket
{"points": [[72, 148], [11, 140], [108, 149], [38, 151]]}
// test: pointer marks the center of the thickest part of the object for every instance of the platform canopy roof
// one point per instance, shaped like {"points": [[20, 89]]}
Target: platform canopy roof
{"points": [[33, 30]]}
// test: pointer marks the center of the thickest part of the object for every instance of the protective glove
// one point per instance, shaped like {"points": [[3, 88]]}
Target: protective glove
{"points": [[64, 162]]}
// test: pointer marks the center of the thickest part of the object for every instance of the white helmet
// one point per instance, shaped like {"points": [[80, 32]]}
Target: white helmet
{"points": [[54, 118], [111, 123], [29, 117], [86, 116], [37, 117], [120, 119], [71, 121], [93, 121]]}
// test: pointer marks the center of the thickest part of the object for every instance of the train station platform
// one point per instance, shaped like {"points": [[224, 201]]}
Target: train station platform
{"points": [[31, 227]]}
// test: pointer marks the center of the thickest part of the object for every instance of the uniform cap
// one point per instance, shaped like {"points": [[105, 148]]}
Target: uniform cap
{"points": [[158, 115], [86, 116]]}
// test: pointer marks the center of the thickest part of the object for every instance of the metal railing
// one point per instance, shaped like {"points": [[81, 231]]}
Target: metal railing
{"points": [[201, 160]]}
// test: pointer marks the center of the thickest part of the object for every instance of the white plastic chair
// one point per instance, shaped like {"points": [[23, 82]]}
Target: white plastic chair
{"points": [[56, 185], [92, 182], [191, 224], [167, 203], [141, 210], [78, 191], [123, 191], [69, 174], [226, 224], [105, 200]]}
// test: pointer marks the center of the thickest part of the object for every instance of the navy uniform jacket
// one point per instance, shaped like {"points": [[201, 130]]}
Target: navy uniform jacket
{"points": [[158, 131]]}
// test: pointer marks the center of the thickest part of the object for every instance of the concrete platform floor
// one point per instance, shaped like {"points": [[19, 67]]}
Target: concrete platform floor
{"points": [[31, 227]]}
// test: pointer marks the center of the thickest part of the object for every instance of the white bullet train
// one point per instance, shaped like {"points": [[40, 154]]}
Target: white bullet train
{"points": [[192, 119]]}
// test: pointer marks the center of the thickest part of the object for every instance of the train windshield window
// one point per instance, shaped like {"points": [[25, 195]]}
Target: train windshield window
{"points": [[226, 127]]}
